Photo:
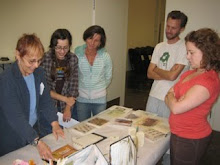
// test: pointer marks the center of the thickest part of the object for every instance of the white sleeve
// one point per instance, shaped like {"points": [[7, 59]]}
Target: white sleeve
{"points": [[181, 58], [155, 55]]}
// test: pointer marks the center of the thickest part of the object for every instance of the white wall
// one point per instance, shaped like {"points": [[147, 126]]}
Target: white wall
{"points": [[201, 13], [215, 116], [43, 17], [113, 16]]}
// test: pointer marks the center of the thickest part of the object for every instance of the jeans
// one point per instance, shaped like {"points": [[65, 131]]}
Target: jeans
{"points": [[157, 106], [187, 151], [84, 110]]}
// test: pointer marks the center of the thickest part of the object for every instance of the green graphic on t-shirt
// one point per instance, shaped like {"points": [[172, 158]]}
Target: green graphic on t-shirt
{"points": [[164, 58]]}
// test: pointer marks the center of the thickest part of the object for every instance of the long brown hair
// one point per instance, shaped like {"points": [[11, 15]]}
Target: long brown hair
{"points": [[61, 34]]}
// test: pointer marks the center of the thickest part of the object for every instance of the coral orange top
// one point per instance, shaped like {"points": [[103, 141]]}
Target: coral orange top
{"points": [[193, 124]]}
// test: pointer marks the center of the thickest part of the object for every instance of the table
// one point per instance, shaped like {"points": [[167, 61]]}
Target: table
{"points": [[3, 63], [149, 154]]}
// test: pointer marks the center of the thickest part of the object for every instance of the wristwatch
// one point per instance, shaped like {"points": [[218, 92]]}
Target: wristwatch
{"points": [[35, 142]]}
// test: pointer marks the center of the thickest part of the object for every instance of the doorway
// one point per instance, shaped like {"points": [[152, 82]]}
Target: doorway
{"points": [[145, 28]]}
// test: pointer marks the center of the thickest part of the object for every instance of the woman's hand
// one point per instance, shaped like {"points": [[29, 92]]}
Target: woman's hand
{"points": [[67, 113], [57, 131], [70, 101], [170, 97], [171, 90], [181, 98], [44, 150]]}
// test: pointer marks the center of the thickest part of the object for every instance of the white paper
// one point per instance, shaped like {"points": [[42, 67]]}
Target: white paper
{"points": [[84, 141], [123, 152], [91, 155], [68, 124], [41, 88]]}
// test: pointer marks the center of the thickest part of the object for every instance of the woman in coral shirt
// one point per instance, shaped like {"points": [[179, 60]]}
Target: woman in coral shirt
{"points": [[190, 100]]}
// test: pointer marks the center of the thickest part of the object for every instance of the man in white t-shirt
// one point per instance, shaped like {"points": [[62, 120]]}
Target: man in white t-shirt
{"points": [[167, 63]]}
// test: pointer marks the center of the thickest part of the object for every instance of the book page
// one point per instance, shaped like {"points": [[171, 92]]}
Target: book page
{"points": [[84, 128], [97, 121], [84, 141]]}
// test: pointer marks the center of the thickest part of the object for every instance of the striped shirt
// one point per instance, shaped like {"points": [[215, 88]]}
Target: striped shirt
{"points": [[93, 80]]}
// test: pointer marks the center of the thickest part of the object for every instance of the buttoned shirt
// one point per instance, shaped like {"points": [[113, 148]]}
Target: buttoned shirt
{"points": [[70, 87]]}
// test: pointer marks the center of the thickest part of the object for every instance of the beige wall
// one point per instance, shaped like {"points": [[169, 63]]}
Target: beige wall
{"points": [[113, 16], [145, 21], [201, 13], [43, 17], [141, 22]]}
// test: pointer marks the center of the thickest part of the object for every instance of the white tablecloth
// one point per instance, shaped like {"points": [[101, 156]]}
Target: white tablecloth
{"points": [[149, 154]]}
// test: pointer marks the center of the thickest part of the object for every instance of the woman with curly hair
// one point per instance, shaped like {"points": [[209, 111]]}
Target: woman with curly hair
{"points": [[190, 100]]}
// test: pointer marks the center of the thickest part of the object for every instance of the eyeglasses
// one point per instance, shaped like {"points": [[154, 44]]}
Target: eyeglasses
{"points": [[60, 48], [32, 62]]}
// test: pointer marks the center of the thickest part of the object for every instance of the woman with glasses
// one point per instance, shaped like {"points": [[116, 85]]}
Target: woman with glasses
{"points": [[24, 99], [61, 67], [95, 73]]}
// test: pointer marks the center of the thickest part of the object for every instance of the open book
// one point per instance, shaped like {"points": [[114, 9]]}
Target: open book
{"points": [[123, 152], [84, 141], [63, 152]]}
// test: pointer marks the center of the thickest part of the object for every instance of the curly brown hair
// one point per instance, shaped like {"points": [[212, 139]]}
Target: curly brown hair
{"points": [[208, 41]]}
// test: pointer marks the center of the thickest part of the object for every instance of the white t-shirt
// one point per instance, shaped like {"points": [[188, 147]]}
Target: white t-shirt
{"points": [[165, 56]]}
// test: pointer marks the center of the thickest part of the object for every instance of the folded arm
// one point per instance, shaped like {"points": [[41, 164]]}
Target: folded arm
{"points": [[159, 74], [151, 73], [194, 97], [70, 101]]}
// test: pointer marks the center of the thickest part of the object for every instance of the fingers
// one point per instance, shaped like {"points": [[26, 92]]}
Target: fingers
{"points": [[66, 116], [47, 156], [44, 151], [58, 132], [55, 135], [66, 119], [61, 134]]}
